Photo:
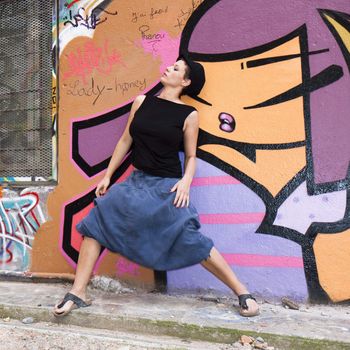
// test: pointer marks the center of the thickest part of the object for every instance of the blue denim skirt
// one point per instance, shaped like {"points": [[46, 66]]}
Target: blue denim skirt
{"points": [[137, 219]]}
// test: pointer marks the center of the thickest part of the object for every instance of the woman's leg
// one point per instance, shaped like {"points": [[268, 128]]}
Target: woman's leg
{"points": [[89, 252], [218, 266]]}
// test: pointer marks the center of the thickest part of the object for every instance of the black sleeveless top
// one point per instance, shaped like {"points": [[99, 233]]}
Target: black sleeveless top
{"points": [[157, 135]]}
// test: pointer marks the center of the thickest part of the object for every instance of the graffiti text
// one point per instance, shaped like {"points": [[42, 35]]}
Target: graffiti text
{"points": [[186, 13], [90, 57], [86, 20], [96, 90]]}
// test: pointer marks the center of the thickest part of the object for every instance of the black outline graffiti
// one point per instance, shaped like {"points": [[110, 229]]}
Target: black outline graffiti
{"points": [[326, 77], [268, 60], [74, 207]]}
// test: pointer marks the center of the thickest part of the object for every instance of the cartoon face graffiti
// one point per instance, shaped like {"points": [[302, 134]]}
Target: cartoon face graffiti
{"points": [[256, 148]]}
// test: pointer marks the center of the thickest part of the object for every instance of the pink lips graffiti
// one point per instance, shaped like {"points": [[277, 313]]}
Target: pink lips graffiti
{"points": [[227, 122]]}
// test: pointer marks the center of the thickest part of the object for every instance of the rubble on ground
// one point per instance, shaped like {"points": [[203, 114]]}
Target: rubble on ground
{"points": [[108, 285]]}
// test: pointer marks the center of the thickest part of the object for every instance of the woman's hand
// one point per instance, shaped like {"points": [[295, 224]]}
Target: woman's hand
{"points": [[182, 189], [102, 187]]}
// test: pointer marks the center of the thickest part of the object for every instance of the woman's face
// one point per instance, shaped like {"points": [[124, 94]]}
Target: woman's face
{"points": [[174, 75]]}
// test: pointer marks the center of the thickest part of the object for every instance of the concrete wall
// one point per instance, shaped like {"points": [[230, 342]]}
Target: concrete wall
{"points": [[272, 185]]}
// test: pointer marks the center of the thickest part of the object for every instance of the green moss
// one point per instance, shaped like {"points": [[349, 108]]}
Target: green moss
{"points": [[228, 336]]}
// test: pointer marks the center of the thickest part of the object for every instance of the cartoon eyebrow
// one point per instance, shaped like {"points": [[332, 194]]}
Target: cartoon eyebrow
{"points": [[326, 77], [269, 60]]}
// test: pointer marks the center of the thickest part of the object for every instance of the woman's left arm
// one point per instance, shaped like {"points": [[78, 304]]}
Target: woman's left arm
{"points": [[182, 187]]}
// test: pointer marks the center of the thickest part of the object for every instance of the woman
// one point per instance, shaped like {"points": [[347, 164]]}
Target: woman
{"points": [[149, 218]]}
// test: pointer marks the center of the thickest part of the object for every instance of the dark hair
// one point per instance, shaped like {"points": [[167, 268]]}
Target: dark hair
{"points": [[186, 76]]}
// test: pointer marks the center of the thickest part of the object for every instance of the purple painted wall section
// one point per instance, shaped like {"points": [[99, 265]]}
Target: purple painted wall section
{"points": [[328, 207], [98, 142]]}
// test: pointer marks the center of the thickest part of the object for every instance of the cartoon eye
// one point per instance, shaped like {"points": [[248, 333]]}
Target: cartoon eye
{"points": [[326, 77]]}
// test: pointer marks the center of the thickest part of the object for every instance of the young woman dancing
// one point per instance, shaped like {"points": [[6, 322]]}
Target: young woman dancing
{"points": [[149, 218]]}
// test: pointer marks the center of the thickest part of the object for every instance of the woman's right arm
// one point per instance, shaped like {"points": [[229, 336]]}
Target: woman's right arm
{"points": [[121, 149]]}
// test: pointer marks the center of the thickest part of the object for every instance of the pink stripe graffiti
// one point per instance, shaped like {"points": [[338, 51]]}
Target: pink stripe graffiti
{"points": [[240, 218], [257, 260], [215, 180]]}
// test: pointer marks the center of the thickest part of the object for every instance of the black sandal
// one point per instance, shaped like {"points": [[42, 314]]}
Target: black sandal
{"points": [[242, 299], [77, 303]]}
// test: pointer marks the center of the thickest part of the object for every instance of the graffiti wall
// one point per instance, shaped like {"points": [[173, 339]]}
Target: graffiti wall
{"points": [[272, 181]]}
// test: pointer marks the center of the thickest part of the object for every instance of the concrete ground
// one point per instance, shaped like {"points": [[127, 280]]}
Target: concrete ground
{"points": [[53, 336], [188, 319]]}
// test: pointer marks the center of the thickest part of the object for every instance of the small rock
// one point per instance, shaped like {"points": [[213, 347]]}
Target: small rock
{"points": [[258, 345], [260, 340], [108, 284], [7, 319], [290, 303], [28, 320], [323, 314], [245, 339], [210, 298]]}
